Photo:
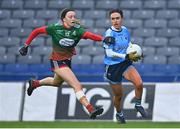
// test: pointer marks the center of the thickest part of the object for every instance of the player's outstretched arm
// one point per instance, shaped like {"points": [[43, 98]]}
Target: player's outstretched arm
{"points": [[92, 36], [24, 50]]}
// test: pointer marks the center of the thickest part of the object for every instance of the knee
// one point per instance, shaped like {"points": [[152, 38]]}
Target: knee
{"points": [[79, 94]]}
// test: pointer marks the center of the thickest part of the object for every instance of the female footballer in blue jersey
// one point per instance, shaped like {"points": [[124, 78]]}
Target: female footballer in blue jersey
{"points": [[119, 64]]}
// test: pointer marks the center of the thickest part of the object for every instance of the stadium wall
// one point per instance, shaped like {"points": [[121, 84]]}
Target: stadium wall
{"points": [[161, 101]]}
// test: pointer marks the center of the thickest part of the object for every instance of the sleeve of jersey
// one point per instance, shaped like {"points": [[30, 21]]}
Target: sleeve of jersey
{"points": [[108, 33], [111, 53], [34, 33], [92, 36], [109, 46]]}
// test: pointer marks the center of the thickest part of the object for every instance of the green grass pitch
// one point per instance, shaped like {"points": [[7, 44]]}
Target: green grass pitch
{"points": [[95, 124]]}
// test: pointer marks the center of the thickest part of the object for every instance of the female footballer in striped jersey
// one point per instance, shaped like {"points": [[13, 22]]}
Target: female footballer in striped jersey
{"points": [[119, 64], [64, 39]]}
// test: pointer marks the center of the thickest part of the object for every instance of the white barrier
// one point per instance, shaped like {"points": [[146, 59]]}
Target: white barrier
{"points": [[10, 100], [41, 105], [167, 102], [38, 107], [161, 100]]}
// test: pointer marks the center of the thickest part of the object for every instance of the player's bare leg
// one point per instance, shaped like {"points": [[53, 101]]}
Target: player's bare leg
{"points": [[48, 81], [70, 78], [118, 93], [56, 81], [132, 75]]}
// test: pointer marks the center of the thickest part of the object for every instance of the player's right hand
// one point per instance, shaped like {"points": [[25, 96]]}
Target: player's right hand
{"points": [[133, 56], [24, 50]]}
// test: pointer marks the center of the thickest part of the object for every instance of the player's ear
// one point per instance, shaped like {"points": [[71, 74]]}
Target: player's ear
{"points": [[64, 20]]}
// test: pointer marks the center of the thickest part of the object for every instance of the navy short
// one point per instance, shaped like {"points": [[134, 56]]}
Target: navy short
{"points": [[114, 73], [60, 63]]}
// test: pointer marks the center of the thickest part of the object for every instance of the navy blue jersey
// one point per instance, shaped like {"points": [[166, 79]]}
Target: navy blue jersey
{"points": [[122, 41]]}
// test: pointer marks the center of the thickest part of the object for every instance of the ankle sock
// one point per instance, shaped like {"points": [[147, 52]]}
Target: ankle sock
{"points": [[35, 83], [90, 108]]}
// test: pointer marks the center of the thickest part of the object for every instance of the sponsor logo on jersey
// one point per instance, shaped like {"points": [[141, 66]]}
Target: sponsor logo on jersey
{"points": [[67, 33], [66, 42]]}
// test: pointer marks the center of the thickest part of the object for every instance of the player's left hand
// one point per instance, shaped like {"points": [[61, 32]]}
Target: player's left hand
{"points": [[23, 51]]}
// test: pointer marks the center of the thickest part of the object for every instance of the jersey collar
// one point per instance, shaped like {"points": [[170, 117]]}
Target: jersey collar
{"points": [[114, 29]]}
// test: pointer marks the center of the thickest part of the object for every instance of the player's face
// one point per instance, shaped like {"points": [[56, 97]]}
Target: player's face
{"points": [[70, 19], [116, 20]]}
